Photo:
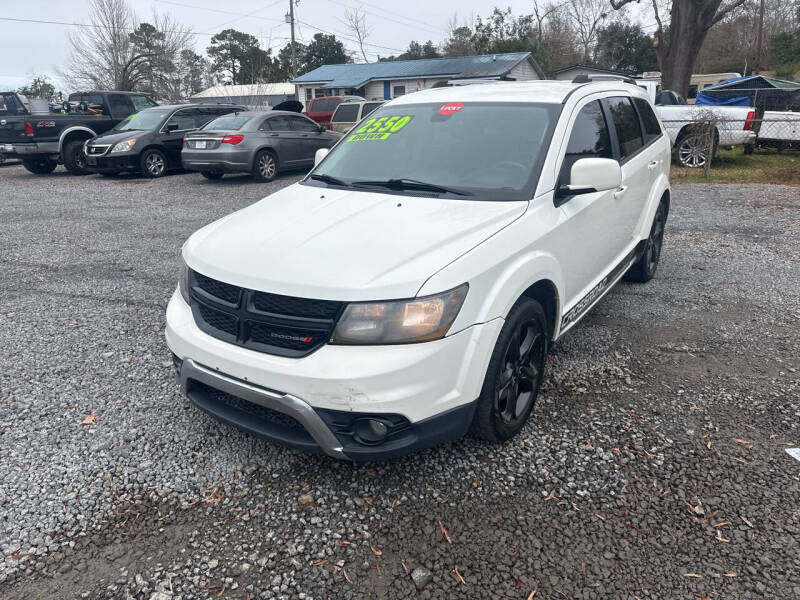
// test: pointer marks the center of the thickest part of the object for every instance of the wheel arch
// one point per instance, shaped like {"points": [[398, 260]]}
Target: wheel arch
{"points": [[545, 293], [268, 148], [74, 134]]}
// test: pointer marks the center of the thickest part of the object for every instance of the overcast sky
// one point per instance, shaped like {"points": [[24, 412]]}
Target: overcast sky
{"points": [[27, 48]]}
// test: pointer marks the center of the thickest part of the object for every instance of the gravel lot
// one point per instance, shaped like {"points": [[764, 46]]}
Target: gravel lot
{"points": [[655, 466]]}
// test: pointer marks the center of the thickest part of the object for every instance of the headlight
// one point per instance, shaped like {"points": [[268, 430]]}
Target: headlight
{"points": [[183, 282], [124, 146], [400, 321]]}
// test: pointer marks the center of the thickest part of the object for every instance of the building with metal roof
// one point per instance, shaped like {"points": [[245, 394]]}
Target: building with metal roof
{"points": [[257, 95], [390, 79]]}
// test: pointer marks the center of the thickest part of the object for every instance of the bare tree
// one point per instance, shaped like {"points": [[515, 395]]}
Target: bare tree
{"points": [[679, 40], [356, 22], [586, 17], [118, 52]]}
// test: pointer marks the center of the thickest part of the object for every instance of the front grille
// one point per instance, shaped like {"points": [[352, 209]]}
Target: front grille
{"points": [[269, 323], [96, 150], [254, 410], [223, 291]]}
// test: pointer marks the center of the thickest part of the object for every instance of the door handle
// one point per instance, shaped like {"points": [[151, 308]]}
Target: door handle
{"points": [[620, 191], [653, 164]]}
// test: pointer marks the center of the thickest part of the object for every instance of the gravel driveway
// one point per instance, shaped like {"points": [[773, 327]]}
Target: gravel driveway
{"points": [[655, 467]]}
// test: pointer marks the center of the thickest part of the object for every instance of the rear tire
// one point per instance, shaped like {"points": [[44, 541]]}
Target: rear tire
{"points": [[515, 373], [644, 269], [39, 166], [691, 150], [74, 158], [213, 175], [153, 163], [265, 166]]}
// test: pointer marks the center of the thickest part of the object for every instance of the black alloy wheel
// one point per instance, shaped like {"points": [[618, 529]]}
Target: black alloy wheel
{"points": [[515, 374], [644, 269], [75, 158], [520, 374]]}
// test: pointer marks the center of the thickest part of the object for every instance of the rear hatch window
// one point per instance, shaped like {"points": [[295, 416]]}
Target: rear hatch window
{"points": [[228, 123]]}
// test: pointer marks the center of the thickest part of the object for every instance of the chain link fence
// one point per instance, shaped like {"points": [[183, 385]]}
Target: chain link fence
{"points": [[698, 141]]}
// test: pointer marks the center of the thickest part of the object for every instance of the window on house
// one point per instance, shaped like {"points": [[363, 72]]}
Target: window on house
{"points": [[398, 90]]}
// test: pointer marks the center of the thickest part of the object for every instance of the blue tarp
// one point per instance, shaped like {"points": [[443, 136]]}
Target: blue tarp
{"points": [[706, 100]]}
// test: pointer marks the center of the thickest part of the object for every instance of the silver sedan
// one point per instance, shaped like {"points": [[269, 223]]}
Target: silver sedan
{"points": [[258, 142]]}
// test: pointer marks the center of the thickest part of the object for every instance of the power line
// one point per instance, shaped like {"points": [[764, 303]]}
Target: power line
{"points": [[93, 26], [349, 39], [224, 12], [412, 25]]}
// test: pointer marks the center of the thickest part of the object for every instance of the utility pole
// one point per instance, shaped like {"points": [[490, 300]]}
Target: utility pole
{"points": [[290, 20], [760, 43]]}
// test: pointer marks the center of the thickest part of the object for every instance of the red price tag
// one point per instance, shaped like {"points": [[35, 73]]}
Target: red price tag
{"points": [[450, 108]]}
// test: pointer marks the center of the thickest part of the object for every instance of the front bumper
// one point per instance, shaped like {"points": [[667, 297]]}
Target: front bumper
{"points": [[424, 393], [112, 163]]}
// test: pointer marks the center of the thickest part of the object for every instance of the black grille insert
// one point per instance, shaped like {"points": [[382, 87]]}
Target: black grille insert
{"points": [[254, 410], [269, 323]]}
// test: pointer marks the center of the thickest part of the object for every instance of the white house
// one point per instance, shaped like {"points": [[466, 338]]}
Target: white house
{"points": [[390, 79]]}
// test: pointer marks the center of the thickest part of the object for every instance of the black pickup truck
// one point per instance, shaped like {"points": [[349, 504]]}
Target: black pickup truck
{"points": [[44, 141]]}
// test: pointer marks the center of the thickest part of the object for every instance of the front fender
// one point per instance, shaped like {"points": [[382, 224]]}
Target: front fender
{"points": [[497, 278]]}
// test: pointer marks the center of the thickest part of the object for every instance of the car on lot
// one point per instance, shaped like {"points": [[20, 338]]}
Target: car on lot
{"points": [[686, 124], [44, 142], [348, 114], [259, 142], [408, 289], [321, 109], [150, 142]]}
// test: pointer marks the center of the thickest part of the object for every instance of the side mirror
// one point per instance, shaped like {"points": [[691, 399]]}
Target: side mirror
{"points": [[319, 155], [172, 126], [589, 175], [321, 128]]}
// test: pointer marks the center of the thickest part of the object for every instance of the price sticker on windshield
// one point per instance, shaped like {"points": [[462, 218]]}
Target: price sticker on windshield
{"points": [[380, 128]]}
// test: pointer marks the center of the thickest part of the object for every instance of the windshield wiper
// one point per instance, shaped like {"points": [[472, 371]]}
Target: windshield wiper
{"points": [[405, 183], [327, 179]]}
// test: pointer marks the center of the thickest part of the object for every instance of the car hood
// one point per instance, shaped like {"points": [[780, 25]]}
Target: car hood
{"points": [[331, 244], [114, 137]]}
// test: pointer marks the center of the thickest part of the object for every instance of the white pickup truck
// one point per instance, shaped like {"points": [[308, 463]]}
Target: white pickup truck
{"points": [[733, 125]]}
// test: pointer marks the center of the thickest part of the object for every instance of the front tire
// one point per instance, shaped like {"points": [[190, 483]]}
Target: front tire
{"points": [[644, 269], [153, 163], [265, 166], [39, 166], [74, 158], [515, 373]]}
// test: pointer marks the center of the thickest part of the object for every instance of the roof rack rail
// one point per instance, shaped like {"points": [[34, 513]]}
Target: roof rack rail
{"points": [[585, 78]]}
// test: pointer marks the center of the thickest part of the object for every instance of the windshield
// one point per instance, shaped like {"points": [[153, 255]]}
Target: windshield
{"points": [[146, 120], [228, 123], [487, 150]]}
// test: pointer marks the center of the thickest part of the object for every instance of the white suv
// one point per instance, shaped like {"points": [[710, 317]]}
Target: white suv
{"points": [[406, 292]]}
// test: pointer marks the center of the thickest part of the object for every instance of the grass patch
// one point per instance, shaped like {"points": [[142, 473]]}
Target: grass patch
{"points": [[734, 166]]}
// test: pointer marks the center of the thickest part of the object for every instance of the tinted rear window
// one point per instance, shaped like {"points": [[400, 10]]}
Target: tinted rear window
{"points": [[347, 113], [369, 107], [228, 123], [626, 123], [321, 105], [652, 128]]}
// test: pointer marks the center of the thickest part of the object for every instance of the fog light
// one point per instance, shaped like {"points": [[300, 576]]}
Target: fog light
{"points": [[371, 431]]}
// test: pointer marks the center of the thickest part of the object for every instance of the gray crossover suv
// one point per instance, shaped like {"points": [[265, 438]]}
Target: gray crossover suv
{"points": [[257, 142]]}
